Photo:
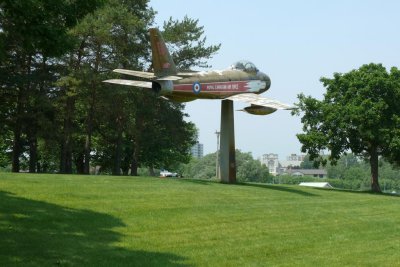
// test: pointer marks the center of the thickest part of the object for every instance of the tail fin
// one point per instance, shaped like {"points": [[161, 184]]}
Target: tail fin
{"points": [[162, 61]]}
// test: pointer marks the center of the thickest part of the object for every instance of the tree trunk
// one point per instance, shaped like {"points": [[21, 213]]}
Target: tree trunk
{"points": [[66, 146], [16, 147], [90, 117], [136, 144], [39, 167], [88, 142], [134, 168], [32, 151], [118, 153], [79, 163], [151, 171], [134, 163], [21, 107], [373, 160]]}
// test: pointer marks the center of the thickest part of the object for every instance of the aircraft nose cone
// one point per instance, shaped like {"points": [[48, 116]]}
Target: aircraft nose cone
{"points": [[264, 77]]}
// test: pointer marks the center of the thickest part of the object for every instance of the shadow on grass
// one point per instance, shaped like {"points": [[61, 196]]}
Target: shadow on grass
{"points": [[266, 186], [199, 181], [36, 233], [280, 188], [365, 192]]}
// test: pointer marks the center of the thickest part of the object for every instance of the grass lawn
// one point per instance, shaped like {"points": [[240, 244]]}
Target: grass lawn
{"points": [[69, 220]]}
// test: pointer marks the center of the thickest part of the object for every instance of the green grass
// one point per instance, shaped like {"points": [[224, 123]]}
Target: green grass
{"points": [[67, 220]]}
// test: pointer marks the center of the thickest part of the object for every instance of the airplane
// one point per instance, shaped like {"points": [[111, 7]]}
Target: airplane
{"points": [[240, 82]]}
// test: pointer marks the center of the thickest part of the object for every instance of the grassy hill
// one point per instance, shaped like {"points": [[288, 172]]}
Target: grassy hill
{"points": [[67, 220]]}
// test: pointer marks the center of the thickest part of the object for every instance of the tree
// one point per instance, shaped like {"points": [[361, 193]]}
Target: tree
{"points": [[203, 168], [33, 34], [165, 138], [114, 35], [307, 163], [359, 112], [346, 163], [161, 137], [54, 106], [142, 130], [248, 169], [187, 44]]}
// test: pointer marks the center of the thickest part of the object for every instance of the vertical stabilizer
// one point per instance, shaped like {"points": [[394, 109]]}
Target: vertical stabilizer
{"points": [[162, 61]]}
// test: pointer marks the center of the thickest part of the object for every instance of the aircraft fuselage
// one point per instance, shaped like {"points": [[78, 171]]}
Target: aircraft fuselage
{"points": [[215, 85]]}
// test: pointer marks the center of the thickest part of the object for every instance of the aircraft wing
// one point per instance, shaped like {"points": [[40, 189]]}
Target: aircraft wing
{"points": [[187, 74], [149, 75], [169, 78], [255, 99], [141, 74], [130, 83]]}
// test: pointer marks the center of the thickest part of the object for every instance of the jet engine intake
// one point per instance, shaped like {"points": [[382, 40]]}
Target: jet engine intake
{"points": [[165, 86], [156, 87], [259, 110]]}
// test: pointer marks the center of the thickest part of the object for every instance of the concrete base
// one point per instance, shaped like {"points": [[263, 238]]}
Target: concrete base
{"points": [[227, 150]]}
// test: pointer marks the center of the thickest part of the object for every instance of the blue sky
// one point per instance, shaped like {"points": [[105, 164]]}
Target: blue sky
{"points": [[295, 43]]}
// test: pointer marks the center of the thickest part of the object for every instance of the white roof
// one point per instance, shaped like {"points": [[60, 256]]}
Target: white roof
{"points": [[317, 184]]}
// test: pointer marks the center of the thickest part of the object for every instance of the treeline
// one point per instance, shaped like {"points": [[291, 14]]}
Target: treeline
{"points": [[247, 168], [56, 115], [353, 172], [350, 172]]}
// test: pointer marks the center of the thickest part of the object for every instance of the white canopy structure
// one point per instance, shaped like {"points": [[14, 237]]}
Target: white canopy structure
{"points": [[316, 184]]}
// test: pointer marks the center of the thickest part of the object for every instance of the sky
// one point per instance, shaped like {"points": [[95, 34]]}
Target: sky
{"points": [[295, 43]]}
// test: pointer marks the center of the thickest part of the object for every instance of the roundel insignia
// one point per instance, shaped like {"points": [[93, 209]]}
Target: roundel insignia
{"points": [[196, 87]]}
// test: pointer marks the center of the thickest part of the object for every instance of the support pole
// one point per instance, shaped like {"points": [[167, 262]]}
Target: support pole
{"points": [[227, 150], [217, 157]]}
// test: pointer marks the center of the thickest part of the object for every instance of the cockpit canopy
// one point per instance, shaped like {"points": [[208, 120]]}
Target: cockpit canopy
{"points": [[244, 65]]}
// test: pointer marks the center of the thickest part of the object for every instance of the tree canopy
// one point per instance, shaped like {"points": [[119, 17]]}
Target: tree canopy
{"points": [[58, 116], [359, 113], [248, 168]]}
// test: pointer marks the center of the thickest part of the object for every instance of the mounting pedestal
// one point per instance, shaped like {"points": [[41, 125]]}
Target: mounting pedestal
{"points": [[227, 150]]}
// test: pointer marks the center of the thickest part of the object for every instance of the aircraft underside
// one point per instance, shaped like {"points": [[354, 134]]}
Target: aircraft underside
{"points": [[184, 92]]}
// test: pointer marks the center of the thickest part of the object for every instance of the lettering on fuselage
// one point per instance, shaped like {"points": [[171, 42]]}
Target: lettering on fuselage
{"points": [[218, 87]]}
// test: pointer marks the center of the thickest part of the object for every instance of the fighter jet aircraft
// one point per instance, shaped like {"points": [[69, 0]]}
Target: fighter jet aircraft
{"points": [[240, 82]]}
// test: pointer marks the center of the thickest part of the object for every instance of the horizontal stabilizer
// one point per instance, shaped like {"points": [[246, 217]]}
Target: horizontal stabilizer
{"points": [[141, 74], [130, 83], [147, 75], [255, 99]]}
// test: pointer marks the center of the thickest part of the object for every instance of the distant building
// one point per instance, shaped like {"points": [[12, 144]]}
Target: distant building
{"points": [[197, 151], [292, 161], [272, 162], [290, 166], [295, 157]]}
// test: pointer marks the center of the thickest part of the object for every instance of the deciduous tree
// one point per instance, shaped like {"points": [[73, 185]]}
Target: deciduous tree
{"points": [[359, 113], [248, 169]]}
